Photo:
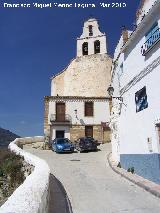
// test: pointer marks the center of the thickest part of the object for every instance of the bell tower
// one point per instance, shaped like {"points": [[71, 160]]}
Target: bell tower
{"points": [[92, 41]]}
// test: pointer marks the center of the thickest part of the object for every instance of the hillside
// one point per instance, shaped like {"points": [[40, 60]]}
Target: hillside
{"points": [[6, 137]]}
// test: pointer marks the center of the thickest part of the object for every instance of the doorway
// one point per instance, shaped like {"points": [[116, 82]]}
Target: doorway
{"points": [[60, 134], [89, 131], [60, 112]]}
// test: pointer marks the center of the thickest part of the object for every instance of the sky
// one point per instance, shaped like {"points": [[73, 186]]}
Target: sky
{"points": [[36, 43]]}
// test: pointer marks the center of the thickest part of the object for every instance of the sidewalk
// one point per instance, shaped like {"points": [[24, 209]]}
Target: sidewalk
{"points": [[149, 186]]}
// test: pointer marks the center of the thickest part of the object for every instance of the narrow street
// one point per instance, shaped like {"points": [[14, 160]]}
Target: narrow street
{"points": [[93, 187]]}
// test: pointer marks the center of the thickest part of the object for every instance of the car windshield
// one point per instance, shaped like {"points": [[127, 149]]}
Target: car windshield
{"points": [[86, 140], [62, 140]]}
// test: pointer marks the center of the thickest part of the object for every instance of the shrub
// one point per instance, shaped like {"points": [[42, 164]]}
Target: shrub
{"points": [[131, 170], [119, 165], [11, 170]]}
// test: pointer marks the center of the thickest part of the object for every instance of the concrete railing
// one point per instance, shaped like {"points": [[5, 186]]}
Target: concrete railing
{"points": [[32, 195]]}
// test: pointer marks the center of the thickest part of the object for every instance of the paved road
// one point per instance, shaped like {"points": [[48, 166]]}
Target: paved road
{"points": [[93, 187]]}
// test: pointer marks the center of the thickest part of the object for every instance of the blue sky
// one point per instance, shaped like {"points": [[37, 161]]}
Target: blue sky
{"points": [[37, 43]]}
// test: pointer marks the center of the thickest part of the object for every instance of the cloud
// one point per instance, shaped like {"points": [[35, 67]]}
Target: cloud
{"points": [[23, 122]]}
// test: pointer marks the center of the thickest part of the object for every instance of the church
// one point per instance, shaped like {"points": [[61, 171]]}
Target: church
{"points": [[79, 105]]}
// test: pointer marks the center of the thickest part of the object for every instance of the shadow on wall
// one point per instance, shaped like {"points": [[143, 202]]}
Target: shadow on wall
{"points": [[58, 199], [82, 122], [152, 51]]}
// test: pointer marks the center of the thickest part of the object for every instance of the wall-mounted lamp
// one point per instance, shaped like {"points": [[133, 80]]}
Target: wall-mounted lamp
{"points": [[110, 91], [76, 113]]}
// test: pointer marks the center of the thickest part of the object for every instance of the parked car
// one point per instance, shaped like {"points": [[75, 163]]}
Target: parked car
{"points": [[60, 145], [86, 144]]}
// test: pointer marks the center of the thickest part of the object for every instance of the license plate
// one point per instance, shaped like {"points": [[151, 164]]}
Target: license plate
{"points": [[67, 149]]}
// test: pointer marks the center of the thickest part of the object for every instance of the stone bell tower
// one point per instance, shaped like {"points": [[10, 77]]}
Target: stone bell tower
{"points": [[92, 41], [89, 74]]}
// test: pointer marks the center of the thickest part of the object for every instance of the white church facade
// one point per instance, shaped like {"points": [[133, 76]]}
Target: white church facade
{"points": [[78, 105], [135, 122]]}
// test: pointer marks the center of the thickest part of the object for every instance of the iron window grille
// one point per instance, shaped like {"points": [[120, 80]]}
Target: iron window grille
{"points": [[152, 38], [141, 100]]}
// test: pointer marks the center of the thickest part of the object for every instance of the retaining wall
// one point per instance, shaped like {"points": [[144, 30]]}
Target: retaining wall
{"points": [[32, 195]]}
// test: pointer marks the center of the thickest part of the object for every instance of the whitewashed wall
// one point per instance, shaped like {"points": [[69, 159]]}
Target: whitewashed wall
{"points": [[134, 62], [32, 195], [97, 35], [135, 128], [101, 111], [66, 130], [145, 9]]}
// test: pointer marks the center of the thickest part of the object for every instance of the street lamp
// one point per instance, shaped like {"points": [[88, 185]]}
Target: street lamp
{"points": [[110, 90]]}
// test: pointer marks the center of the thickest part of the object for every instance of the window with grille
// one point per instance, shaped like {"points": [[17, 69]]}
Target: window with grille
{"points": [[152, 37], [141, 100]]}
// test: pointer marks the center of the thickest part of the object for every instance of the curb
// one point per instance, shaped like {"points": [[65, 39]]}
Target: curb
{"points": [[58, 200], [147, 185]]}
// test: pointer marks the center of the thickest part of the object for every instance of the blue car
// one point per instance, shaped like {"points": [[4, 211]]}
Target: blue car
{"points": [[60, 145]]}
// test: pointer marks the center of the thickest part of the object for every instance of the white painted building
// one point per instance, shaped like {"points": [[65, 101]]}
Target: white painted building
{"points": [[78, 105], [135, 76]]}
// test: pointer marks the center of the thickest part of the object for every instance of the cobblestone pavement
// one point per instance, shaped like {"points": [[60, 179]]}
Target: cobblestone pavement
{"points": [[93, 187]]}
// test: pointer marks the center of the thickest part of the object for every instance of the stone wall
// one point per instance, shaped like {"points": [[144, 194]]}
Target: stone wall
{"points": [[77, 132], [99, 134], [88, 76], [46, 111], [107, 136]]}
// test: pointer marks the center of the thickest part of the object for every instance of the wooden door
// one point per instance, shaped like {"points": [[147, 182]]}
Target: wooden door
{"points": [[60, 111], [89, 131]]}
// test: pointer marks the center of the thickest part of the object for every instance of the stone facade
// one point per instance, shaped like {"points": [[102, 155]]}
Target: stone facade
{"points": [[99, 133], [85, 76], [46, 111], [76, 132]]}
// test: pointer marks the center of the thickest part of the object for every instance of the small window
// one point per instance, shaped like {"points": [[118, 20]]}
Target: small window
{"points": [[88, 108], [141, 100], [97, 47], [90, 30], [85, 48]]}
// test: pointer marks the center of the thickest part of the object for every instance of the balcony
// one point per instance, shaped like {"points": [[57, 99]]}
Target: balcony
{"points": [[60, 119], [151, 42]]}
